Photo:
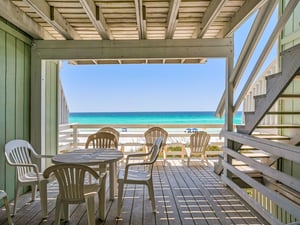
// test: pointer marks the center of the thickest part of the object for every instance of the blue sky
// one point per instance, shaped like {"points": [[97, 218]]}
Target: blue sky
{"points": [[159, 87]]}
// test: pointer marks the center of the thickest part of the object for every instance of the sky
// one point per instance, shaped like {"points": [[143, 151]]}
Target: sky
{"points": [[155, 87]]}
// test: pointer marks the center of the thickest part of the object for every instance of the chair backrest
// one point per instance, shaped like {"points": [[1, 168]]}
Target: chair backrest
{"points": [[199, 142], [20, 152], [102, 140], [110, 130], [154, 152], [70, 178], [155, 149], [153, 133]]}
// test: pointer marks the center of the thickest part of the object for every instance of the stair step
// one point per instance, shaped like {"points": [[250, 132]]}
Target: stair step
{"points": [[289, 96], [283, 113], [272, 137], [272, 79], [278, 126]]}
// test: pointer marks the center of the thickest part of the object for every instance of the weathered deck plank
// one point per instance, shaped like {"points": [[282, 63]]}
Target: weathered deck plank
{"points": [[184, 195]]}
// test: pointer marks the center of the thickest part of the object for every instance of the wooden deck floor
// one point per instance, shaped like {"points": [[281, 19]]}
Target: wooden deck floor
{"points": [[184, 195]]}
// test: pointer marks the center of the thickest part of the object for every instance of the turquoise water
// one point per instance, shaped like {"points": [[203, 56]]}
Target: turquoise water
{"points": [[149, 118]]}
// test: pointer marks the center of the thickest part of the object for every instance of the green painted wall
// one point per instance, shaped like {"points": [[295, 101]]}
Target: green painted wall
{"points": [[15, 53]]}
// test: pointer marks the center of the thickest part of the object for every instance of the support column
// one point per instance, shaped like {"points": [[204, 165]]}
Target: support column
{"points": [[229, 111], [37, 135]]}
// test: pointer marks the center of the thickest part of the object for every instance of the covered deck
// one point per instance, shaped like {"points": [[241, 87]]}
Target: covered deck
{"points": [[184, 195]]}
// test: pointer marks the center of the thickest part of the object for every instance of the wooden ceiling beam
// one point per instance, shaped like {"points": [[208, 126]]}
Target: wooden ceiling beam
{"points": [[209, 16], [54, 18], [244, 12], [134, 49], [172, 18], [15, 16], [140, 12], [97, 18]]}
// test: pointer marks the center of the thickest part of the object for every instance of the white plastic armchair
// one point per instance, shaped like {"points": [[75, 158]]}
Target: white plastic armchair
{"points": [[20, 154], [152, 134], [74, 190], [139, 172], [102, 139], [111, 130]]}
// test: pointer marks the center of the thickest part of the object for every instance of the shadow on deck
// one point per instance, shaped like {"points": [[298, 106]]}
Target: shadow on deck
{"points": [[184, 196]]}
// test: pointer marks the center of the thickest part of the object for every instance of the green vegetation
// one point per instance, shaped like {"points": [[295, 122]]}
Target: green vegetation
{"points": [[213, 148]]}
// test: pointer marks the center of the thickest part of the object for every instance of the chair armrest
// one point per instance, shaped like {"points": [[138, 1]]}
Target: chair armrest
{"points": [[138, 164], [34, 166], [136, 155], [44, 156], [133, 164]]}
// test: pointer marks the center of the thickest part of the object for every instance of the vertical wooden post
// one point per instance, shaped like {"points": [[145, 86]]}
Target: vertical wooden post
{"points": [[36, 101], [229, 90], [37, 108], [75, 135]]}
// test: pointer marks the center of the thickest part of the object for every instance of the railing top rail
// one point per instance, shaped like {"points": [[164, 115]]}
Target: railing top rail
{"points": [[146, 125]]}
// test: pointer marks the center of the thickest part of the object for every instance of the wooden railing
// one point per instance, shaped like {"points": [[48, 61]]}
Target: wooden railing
{"points": [[73, 136], [280, 189]]}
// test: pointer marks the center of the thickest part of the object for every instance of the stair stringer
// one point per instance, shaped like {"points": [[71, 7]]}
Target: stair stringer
{"points": [[290, 67]]}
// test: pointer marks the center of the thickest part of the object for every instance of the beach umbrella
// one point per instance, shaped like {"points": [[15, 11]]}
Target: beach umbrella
{"points": [[194, 130], [188, 130]]}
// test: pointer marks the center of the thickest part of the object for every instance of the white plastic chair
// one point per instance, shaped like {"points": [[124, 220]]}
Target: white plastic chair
{"points": [[152, 134], [73, 190], [20, 154], [111, 130], [198, 144], [102, 140], [139, 172], [3, 196]]}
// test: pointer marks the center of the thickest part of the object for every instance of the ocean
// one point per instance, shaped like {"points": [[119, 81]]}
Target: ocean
{"points": [[203, 117]]}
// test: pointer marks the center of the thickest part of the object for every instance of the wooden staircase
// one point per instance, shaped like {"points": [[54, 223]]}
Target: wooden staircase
{"points": [[276, 84]]}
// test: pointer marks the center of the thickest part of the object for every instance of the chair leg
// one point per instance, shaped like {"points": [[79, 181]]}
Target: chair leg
{"points": [[151, 194], [120, 198], [188, 161], [33, 191], [16, 198], [102, 198], [90, 208], [58, 211], [66, 214], [5, 201], [43, 197]]}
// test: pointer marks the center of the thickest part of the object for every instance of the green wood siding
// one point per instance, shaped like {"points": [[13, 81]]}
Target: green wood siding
{"points": [[15, 50]]}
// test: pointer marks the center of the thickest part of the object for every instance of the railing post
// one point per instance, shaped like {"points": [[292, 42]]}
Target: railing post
{"points": [[75, 135]]}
